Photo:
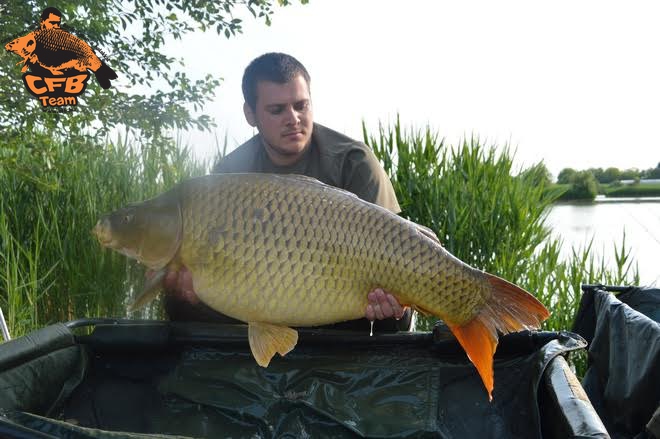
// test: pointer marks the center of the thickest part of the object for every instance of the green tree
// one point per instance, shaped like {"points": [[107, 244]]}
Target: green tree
{"points": [[566, 175], [584, 186], [598, 174], [630, 174], [132, 34], [653, 172], [610, 175]]}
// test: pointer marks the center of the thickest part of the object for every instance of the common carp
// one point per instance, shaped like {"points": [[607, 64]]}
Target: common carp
{"points": [[277, 251]]}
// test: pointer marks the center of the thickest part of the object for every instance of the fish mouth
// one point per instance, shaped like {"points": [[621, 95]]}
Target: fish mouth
{"points": [[103, 233]]}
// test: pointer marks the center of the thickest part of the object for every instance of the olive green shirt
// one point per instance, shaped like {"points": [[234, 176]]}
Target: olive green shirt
{"points": [[332, 158]]}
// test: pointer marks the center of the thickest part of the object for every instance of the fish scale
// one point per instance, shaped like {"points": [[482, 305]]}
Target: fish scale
{"points": [[277, 251], [57, 40]]}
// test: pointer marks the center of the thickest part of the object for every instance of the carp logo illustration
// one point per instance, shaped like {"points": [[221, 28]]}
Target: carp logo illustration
{"points": [[58, 62]]}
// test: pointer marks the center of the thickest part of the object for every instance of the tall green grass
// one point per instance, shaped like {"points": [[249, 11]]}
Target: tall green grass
{"points": [[51, 195], [491, 216]]}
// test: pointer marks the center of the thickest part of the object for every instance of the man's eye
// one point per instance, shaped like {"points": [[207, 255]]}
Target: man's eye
{"points": [[276, 110], [301, 106]]}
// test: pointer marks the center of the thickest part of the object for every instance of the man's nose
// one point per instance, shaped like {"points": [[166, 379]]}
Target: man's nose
{"points": [[291, 116]]}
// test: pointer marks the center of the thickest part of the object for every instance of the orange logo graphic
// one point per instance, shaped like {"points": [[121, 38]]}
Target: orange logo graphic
{"points": [[58, 62]]}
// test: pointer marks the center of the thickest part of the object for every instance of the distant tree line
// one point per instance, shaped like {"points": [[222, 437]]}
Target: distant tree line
{"points": [[609, 175], [586, 184]]}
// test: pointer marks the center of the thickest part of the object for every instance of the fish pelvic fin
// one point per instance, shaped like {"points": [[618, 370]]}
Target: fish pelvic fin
{"points": [[510, 309], [267, 339], [150, 291]]}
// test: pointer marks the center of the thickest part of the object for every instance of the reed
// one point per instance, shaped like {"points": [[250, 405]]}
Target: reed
{"points": [[51, 195]]}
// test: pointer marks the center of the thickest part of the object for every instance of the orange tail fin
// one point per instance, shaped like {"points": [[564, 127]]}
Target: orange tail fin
{"points": [[509, 309]]}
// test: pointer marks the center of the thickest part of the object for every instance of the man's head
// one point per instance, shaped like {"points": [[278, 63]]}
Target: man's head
{"points": [[51, 18], [278, 103]]}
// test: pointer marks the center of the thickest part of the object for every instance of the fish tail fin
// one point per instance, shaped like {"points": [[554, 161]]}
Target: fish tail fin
{"points": [[104, 74], [510, 309]]}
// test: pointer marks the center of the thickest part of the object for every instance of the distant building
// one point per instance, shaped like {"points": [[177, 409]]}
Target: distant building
{"points": [[643, 181]]}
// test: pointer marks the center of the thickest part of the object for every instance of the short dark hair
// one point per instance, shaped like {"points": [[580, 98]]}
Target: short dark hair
{"points": [[275, 67], [50, 10]]}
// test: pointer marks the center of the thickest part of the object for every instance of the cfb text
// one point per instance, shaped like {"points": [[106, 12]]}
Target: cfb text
{"points": [[57, 90]]}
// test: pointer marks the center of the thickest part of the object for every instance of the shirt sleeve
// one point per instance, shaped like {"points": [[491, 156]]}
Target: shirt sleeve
{"points": [[242, 159], [364, 176]]}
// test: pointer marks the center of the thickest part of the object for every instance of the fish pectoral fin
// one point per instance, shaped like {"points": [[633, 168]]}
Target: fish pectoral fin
{"points": [[266, 339], [150, 290]]}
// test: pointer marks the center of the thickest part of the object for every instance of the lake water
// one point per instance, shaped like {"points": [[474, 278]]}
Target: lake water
{"points": [[605, 221]]}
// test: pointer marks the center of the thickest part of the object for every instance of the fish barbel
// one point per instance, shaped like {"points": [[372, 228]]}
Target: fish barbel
{"points": [[277, 251]]}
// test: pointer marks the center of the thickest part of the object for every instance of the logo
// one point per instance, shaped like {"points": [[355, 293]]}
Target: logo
{"points": [[58, 63]]}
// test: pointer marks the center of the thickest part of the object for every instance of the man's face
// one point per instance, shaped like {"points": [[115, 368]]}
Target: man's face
{"points": [[283, 116], [53, 21]]}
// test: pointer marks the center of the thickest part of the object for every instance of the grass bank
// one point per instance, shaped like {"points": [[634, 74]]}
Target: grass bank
{"points": [[632, 190], [612, 190]]}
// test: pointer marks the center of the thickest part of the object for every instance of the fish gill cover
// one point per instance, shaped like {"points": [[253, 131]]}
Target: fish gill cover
{"points": [[58, 62]]}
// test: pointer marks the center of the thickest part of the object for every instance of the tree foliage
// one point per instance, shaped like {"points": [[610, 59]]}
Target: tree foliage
{"points": [[130, 35], [584, 186], [653, 172], [610, 175], [566, 176]]}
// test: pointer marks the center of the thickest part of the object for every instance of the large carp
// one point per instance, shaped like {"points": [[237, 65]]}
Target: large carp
{"points": [[277, 251]]}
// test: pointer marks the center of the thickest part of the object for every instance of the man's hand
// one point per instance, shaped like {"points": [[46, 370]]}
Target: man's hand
{"points": [[382, 305]]}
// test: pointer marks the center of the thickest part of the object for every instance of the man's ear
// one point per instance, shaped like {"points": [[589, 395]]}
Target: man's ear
{"points": [[249, 115]]}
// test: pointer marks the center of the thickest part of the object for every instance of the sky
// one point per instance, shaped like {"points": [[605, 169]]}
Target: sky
{"points": [[570, 83]]}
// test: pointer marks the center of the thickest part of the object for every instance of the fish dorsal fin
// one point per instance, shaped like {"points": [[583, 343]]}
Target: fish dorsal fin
{"points": [[312, 180], [425, 231], [151, 289], [428, 233], [300, 177], [266, 339]]}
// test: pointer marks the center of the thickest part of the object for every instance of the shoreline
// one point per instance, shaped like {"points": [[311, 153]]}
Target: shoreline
{"points": [[604, 199]]}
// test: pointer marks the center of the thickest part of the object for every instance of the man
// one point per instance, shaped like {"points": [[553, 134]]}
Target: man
{"points": [[276, 88], [51, 18]]}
